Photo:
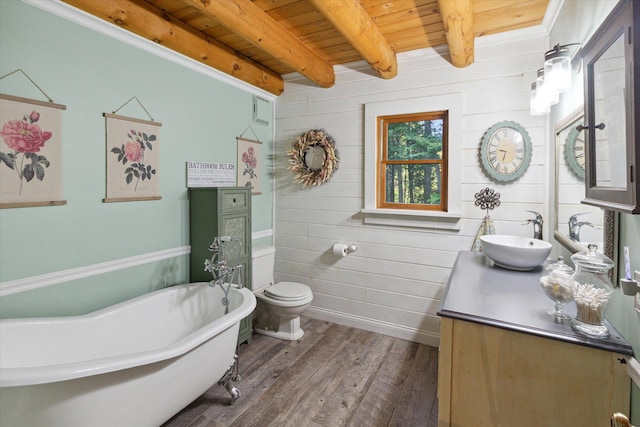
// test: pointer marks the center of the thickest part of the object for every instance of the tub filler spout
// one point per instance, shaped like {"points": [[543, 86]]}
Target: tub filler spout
{"points": [[223, 271]]}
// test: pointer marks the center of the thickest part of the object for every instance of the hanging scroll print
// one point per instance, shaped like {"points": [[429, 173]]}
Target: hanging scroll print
{"points": [[132, 159], [30, 152], [249, 164]]}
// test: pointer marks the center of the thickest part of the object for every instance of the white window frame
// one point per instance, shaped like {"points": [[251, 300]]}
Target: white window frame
{"points": [[449, 220]]}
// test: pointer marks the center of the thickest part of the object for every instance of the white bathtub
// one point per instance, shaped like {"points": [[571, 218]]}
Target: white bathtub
{"points": [[135, 364]]}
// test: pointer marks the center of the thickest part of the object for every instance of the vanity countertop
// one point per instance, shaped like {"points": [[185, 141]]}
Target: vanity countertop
{"points": [[480, 292]]}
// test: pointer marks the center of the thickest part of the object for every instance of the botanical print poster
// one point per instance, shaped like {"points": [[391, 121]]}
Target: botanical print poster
{"points": [[249, 164], [133, 159], [30, 152]]}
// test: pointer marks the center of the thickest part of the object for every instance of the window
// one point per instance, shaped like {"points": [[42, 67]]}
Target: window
{"points": [[404, 215], [412, 161]]}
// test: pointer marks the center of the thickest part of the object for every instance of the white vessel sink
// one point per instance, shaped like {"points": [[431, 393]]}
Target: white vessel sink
{"points": [[515, 252]]}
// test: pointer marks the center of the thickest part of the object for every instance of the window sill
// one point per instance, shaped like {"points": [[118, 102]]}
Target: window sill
{"points": [[410, 218]]}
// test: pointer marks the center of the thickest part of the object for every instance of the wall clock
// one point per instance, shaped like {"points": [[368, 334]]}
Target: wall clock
{"points": [[505, 151], [574, 152]]}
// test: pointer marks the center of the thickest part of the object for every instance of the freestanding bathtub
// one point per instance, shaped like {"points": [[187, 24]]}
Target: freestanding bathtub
{"points": [[135, 364]]}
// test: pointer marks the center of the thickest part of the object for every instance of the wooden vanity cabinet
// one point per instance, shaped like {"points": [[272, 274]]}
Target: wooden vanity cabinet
{"points": [[221, 211], [505, 362], [489, 376]]}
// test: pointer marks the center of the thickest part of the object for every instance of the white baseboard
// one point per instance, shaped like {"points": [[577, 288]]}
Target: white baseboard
{"points": [[393, 330]]}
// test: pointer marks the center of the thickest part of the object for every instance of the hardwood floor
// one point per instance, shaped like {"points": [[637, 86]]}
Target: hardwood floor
{"points": [[333, 376]]}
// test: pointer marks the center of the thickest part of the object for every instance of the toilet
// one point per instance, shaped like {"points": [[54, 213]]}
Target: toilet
{"points": [[280, 304]]}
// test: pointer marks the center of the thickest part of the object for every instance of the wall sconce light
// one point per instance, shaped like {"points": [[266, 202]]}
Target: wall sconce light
{"points": [[552, 80], [537, 106], [557, 68], [546, 90]]}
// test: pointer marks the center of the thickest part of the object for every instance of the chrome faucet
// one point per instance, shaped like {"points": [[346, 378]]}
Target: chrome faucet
{"points": [[575, 226], [537, 225], [218, 265], [222, 271]]}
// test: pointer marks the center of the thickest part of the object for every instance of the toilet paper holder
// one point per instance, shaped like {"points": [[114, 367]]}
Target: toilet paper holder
{"points": [[341, 249]]}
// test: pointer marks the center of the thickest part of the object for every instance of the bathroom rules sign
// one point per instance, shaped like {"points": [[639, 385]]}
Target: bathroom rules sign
{"points": [[208, 174]]}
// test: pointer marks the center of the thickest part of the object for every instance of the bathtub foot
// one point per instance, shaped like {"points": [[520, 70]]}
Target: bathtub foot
{"points": [[229, 377], [233, 391]]}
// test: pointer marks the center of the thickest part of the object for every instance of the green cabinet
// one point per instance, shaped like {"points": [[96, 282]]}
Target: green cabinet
{"points": [[223, 211]]}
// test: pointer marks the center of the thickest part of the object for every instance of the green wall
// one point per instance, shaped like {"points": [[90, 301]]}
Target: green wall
{"points": [[621, 312], [91, 74]]}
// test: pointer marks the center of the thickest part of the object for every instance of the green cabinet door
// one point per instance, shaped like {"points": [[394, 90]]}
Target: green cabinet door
{"points": [[215, 212]]}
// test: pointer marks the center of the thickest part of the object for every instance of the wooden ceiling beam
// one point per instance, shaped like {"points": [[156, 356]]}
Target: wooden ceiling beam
{"points": [[457, 17], [354, 23], [249, 21], [150, 23]]}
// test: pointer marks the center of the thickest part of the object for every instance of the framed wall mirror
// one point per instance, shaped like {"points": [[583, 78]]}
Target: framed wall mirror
{"points": [[612, 111], [577, 225]]}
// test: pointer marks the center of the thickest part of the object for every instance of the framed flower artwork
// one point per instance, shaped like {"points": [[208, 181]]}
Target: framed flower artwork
{"points": [[30, 152], [249, 164], [132, 159]]}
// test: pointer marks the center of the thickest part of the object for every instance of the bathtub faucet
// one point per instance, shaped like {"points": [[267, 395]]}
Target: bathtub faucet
{"points": [[220, 265], [223, 272]]}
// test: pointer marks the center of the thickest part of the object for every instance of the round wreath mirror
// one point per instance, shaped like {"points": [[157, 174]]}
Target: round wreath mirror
{"points": [[313, 158]]}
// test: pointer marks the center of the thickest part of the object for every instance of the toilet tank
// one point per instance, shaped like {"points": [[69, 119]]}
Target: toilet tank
{"points": [[262, 263]]}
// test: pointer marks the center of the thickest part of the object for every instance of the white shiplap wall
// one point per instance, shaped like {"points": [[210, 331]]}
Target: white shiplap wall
{"points": [[394, 282]]}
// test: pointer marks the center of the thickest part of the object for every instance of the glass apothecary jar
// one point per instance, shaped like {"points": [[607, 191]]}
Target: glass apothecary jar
{"points": [[592, 289], [557, 286]]}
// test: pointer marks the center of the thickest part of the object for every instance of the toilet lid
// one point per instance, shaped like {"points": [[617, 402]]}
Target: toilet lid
{"points": [[288, 291]]}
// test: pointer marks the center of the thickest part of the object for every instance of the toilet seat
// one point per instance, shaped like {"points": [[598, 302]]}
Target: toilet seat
{"points": [[288, 291]]}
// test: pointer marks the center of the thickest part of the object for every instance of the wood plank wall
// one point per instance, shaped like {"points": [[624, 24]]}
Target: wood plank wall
{"points": [[394, 282]]}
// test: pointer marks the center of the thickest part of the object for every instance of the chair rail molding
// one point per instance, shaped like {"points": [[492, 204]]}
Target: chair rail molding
{"points": [[35, 282]]}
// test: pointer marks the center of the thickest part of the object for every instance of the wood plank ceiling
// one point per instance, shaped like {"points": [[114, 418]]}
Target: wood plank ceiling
{"points": [[257, 41]]}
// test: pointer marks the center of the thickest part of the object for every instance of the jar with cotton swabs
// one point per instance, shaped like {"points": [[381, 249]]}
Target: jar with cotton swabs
{"points": [[592, 290]]}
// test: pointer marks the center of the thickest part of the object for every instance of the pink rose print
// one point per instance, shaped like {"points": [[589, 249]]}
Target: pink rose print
{"points": [[133, 151], [250, 163], [25, 139], [249, 158]]}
